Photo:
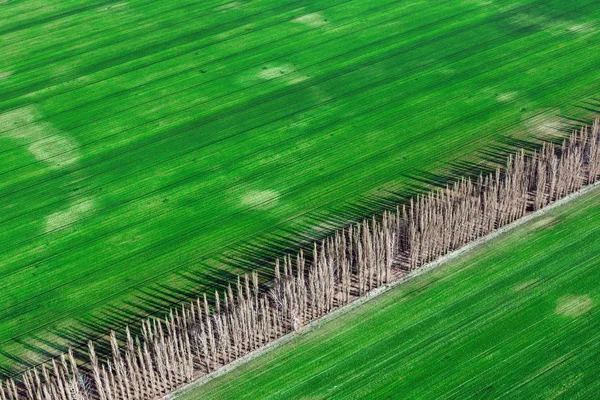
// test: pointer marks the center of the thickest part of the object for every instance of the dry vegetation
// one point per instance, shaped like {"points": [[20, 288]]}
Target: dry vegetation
{"points": [[201, 337]]}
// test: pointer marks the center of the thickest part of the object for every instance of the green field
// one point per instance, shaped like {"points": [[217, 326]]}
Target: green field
{"points": [[143, 142], [519, 317]]}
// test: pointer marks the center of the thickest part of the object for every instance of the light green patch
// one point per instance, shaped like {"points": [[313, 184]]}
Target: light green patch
{"points": [[286, 73], [17, 118], [314, 20], [61, 219], [260, 199], [268, 73], [44, 141], [573, 306], [553, 26], [56, 150], [525, 286], [582, 28], [446, 70], [234, 32], [229, 6], [545, 126], [507, 97], [544, 222], [5, 75], [116, 7]]}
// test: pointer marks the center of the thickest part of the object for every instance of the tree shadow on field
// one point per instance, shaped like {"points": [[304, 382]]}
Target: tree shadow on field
{"points": [[259, 254], [591, 105]]}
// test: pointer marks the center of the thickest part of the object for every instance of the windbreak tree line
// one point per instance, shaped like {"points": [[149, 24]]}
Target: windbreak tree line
{"points": [[203, 336]]}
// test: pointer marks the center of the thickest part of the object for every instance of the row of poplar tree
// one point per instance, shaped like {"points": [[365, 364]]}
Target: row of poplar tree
{"points": [[205, 335]]}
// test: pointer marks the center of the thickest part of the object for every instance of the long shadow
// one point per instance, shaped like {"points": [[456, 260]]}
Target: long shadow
{"points": [[259, 254]]}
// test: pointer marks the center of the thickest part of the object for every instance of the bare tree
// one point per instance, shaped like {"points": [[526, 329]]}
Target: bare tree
{"points": [[202, 336]]}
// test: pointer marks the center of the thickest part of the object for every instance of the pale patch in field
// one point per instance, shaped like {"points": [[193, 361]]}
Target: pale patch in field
{"points": [[64, 70], [5, 75], [298, 79], [229, 6], [152, 204], [545, 126], [16, 118], [116, 7], [61, 219], [314, 20], [298, 125], [260, 199], [573, 306], [270, 159], [582, 28], [446, 70], [50, 146], [554, 26], [238, 31], [268, 73], [55, 150], [303, 123], [545, 222], [525, 20], [507, 97], [320, 94], [525, 285], [44, 142], [285, 72]]}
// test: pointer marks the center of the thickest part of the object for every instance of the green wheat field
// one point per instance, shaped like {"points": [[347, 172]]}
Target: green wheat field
{"points": [[518, 318], [147, 147]]}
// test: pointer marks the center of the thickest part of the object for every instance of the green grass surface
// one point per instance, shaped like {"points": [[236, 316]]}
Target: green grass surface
{"points": [[519, 317], [143, 141]]}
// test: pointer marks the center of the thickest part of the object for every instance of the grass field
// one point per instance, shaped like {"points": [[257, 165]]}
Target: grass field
{"points": [[516, 318], [142, 142]]}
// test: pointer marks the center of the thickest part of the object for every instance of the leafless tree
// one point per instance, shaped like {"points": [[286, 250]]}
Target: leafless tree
{"points": [[202, 336]]}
